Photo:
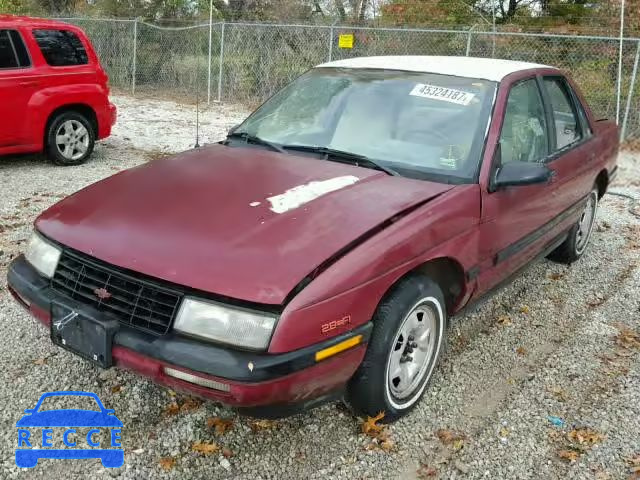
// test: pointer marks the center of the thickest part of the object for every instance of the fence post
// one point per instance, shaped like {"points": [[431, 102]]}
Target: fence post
{"points": [[623, 133], [135, 55], [331, 43], [468, 42], [220, 62], [209, 64]]}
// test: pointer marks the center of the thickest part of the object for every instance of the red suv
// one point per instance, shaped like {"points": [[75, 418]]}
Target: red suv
{"points": [[53, 91]]}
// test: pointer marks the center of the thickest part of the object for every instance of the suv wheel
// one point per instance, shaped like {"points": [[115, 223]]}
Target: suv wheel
{"points": [[406, 343], [70, 139], [577, 240]]}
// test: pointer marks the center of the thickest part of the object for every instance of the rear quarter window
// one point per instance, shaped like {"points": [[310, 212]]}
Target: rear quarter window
{"points": [[13, 53], [61, 48]]}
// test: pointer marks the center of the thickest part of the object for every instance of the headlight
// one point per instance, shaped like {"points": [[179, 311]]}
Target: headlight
{"points": [[42, 255], [222, 323]]}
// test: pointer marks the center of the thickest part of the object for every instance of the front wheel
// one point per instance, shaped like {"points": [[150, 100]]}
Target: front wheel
{"points": [[406, 343], [578, 238], [70, 139]]}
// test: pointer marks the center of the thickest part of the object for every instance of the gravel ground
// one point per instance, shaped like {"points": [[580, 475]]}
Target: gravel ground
{"points": [[553, 343]]}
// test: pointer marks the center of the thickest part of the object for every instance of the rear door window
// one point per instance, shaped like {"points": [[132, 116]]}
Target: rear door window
{"points": [[567, 126], [13, 53], [61, 48]]}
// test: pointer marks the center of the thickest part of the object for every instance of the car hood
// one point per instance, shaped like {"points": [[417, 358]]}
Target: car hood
{"points": [[240, 222], [69, 418]]}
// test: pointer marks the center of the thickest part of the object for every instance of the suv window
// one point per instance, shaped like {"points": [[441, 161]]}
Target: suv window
{"points": [[61, 48], [524, 131], [566, 124], [13, 53]]}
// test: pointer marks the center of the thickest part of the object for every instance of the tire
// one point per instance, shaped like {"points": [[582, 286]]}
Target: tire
{"points": [[70, 139], [375, 387], [578, 239]]}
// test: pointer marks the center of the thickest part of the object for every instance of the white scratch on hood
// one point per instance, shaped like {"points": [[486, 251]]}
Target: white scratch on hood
{"points": [[296, 196], [254, 204]]}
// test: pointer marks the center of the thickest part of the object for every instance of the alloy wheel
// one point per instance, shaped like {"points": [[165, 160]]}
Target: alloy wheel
{"points": [[72, 139]]}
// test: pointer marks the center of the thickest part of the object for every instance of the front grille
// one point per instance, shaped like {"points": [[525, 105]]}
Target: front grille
{"points": [[138, 302]]}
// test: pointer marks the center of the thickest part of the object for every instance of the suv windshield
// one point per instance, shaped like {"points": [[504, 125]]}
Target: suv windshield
{"points": [[421, 125]]}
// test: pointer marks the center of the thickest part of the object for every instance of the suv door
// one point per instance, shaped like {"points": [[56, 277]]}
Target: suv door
{"points": [[515, 220], [16, 87]]}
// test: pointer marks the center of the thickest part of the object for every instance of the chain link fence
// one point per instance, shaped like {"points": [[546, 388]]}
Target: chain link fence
{"points": [[248, 62]]}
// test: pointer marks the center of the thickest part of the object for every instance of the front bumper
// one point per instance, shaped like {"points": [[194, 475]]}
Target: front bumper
{"points": [[260, 383]]}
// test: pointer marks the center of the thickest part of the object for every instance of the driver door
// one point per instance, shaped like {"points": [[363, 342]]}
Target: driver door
{"points": [[514, 219]]}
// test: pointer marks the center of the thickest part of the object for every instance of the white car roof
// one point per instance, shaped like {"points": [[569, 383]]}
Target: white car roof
{"points": [[471, 67]]}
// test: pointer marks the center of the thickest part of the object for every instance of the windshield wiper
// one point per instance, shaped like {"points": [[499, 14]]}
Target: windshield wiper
{"points": [[345, 157], [247, 137]]}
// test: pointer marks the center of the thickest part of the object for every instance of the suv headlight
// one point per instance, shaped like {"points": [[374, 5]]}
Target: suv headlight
{"points": [[42, 255], [225, 324]]}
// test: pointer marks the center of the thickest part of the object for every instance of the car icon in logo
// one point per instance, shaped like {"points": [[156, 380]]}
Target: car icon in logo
{"points": [[32, 447]]}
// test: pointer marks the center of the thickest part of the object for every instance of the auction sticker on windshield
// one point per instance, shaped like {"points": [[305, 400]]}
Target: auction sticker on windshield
{"points": [[442, 93]]}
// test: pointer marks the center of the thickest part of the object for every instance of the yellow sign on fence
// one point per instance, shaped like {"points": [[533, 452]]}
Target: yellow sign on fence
{"points": [[345, 40]]}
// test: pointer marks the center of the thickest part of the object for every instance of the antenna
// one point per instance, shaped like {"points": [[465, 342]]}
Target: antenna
{"points": [[197, 145]]}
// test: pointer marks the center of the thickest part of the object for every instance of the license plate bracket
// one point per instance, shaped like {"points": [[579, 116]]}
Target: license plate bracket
{"points": [[83, 333]]}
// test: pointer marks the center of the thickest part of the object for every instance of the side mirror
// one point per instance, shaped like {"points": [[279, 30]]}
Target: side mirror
{"points": [[233, 129], [515, 174]]}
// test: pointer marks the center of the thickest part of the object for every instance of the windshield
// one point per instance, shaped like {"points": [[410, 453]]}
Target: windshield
{"points": [[421, 125]]}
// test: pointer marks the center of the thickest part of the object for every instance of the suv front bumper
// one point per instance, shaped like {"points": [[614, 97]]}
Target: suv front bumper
{"points": [[261, 384]]}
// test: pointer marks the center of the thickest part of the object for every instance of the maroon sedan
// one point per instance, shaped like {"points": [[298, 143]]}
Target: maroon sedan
{"points": [[319, 250]]}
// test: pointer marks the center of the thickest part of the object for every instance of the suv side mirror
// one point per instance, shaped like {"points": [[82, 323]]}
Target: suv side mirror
{"points": [[515, 174]]}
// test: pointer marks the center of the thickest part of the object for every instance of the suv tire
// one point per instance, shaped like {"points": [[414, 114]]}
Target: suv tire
{"points": [[70, 139]]}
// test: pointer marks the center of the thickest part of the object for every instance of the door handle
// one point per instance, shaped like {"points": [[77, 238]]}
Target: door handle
{"points": [[31, 83]]}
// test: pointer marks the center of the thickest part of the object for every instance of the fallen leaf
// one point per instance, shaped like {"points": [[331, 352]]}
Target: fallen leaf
{"points": [[525, 309], [116, 388], [569, 455], [556, 276], [449, 437], [426, 472], [227, 453], [504, 432], [172, 409], [558, 393], [387, 445], [628, 338], [205, 448], [257, 425], [585, 436], [633, 461], [167, 463], [504, 320], [40, 361], [221, 425], [521, 351], [171, 393], [596, 302], [371, 427], [190, 404]]}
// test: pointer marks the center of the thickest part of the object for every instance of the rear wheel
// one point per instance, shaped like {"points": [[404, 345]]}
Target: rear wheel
{"points": [[70, 139], [406, 343], [578, 238]]}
